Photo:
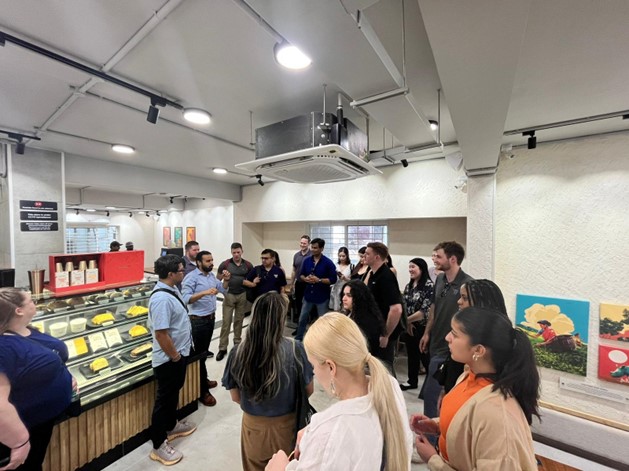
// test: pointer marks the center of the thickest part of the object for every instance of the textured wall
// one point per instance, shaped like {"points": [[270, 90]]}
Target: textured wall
{"points": [[481, 203], [562, 229]]}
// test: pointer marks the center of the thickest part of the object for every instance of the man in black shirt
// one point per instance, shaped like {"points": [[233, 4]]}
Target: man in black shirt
{"points": [[385, 289]]}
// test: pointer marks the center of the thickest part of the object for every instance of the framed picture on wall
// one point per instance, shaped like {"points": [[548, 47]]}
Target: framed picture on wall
{"points": [[614, 323], [166, 237], [191, 233], [178, 236]]}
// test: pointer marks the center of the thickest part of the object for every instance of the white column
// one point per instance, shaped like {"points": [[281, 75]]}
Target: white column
{"points": [[481, 234]]}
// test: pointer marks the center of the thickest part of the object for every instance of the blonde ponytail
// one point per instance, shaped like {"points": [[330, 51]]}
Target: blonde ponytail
{"points": [[338, 338]]}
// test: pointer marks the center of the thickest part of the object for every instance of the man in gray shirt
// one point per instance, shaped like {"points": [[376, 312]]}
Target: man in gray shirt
{"points": [[298, 286], [235, 304], [447, 258], [172, 340]]}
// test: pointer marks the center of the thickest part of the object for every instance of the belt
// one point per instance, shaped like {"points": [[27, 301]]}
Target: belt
{"points": [[192, 316]]}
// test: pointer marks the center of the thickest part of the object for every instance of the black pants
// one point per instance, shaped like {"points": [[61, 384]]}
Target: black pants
{"points": [[170, 378], [415, 357], [39, 438], [387, 355], [202, 330]]}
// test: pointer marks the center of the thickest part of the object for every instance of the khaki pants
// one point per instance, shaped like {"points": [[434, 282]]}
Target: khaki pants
{"points": [[234, 306], [260, 437]]}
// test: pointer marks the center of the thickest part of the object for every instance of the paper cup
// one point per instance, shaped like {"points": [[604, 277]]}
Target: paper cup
{"points": [[82, 265]]}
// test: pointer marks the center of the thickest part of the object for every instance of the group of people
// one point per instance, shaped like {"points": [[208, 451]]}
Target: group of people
{"points": [[480, 393]]}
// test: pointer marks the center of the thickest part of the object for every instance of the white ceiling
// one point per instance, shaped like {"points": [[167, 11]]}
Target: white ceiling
{"points": [[502, 65]]}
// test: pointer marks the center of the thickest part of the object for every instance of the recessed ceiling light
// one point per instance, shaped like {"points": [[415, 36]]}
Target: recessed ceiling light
{"points": [[122, 148], [196, 116], [90, 210], [290, 56], [110, 207], [220, 171], [434, 125]]}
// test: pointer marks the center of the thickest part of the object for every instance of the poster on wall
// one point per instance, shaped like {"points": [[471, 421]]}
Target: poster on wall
{"points": [[614, 323], [191, 233], [558, 330], [613, 364], [178, 239], [166, 238]]}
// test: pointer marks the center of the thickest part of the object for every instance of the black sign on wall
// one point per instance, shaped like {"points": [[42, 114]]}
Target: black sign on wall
{"points": [[35, 216], [38, 205], [39, 226]]}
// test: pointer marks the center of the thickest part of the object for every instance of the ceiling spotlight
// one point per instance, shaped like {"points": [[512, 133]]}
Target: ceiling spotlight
{"points": [[220, 171], [197, 116], [76, 211], [110, 207], [404, 163], [90, 210], [130, 214], [123, 148], [20, 147], [461, 183], [157, 214], [434, 125], [153, 113], [185, 199], [107, 213], [260, 182], [148, 215], [532, 142], [172, 199], [290, 56]]}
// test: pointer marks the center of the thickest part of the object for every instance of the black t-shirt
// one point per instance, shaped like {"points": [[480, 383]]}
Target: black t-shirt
{"points": [[385, 289]]}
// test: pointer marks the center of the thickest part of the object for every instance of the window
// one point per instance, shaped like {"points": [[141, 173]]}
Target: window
{"points": [[88, 239], [353, 236]]}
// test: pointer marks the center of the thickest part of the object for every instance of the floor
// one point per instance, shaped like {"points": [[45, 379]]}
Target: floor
{"points": [[215, 446]]}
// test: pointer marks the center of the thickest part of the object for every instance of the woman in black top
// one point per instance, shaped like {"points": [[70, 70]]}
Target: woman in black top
{"points": [[417, 301], [359, 304]]}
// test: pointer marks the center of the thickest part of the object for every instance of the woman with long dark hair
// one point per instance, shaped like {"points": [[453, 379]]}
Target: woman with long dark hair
{"points": [[484, 421], [359, 304], [35, 385], [343, 274], [365, 430], [261, 375], [361, 267], [417, 301]]}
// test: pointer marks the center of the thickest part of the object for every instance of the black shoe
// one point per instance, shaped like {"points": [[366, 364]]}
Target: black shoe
{"points": [[210, 354], [407, 386], [221, 354]]}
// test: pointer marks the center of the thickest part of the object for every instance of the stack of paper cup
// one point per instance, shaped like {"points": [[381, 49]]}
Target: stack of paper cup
{"points": [[69, 266], [92, 264], [82, 265], [59, 267]]}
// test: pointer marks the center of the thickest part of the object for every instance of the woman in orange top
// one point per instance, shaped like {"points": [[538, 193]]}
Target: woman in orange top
{"points": [[484, 420]]}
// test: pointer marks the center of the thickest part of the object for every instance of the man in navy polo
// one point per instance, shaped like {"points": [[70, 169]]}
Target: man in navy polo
{"points": [[318, 272], [266, 277]]}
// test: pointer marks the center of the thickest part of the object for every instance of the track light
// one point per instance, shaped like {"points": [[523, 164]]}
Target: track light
{"points": [[172, 199], [152, 115], [185, 199], [20, 147], [107, 214], [148, 215], [18, 136], [130, 214], [76, 211], [290, 56], [532, 142], [404, 163], [434, 125], [260, 182]]}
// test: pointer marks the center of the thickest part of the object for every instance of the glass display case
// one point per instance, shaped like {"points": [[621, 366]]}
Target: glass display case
{"points": [[107, 336]]}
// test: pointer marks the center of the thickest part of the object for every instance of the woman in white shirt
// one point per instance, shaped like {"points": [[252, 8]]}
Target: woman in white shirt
{"points": [[365, 430], [344, 269]]}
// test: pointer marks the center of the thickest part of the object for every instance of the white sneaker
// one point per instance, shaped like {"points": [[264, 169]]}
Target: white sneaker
{"points": [[166, 454], [182, 429]]}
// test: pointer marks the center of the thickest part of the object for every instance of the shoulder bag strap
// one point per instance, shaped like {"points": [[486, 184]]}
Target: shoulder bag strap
{"points": [[172, 294]]}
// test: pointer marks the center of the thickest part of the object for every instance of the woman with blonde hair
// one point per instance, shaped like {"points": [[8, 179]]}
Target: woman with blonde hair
{"points": [[366, 429]]}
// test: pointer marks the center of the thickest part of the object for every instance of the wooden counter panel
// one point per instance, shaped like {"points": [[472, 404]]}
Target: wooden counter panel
{"points": [[79, 440]]}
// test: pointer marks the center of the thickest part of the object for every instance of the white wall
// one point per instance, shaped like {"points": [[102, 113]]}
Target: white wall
{"points": [[562, 229]]}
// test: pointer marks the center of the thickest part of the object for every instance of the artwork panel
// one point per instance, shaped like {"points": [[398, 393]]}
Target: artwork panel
{"points": [[613, 364]]}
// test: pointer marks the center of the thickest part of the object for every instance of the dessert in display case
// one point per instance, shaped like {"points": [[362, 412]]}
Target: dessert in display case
{"points": [[106, 334]]}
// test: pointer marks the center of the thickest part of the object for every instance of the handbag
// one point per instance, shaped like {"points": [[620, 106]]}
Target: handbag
{"points": [[303, 410]]}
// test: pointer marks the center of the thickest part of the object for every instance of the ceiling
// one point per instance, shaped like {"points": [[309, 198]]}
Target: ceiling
{"points": [[502, 65]]}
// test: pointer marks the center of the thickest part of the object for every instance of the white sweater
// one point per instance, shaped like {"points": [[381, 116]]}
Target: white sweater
{"points": [[347, 437]]}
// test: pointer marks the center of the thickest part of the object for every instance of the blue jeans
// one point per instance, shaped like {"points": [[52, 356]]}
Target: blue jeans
{"points": [[306, 307], [432, 389]]}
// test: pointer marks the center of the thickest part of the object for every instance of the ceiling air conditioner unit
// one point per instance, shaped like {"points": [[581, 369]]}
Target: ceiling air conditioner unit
{"points": [[307, 149]]}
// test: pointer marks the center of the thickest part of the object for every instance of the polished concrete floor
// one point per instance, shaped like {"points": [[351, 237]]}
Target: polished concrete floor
{"points": [[215, 446]]}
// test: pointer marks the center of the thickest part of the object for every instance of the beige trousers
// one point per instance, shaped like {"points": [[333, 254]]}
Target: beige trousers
{"points": [[260, 437], [234, 306]]}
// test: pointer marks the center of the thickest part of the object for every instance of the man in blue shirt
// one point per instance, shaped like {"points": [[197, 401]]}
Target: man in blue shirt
{"points": [[172, 339], [199, 290], [266, 277], [318, 272]]}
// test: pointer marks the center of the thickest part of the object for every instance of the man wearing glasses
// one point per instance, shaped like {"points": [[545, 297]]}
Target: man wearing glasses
{"points": [[266, 277], [172, 340], [447, 257]]}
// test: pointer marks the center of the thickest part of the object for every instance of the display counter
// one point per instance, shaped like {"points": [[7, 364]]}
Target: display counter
{"points": [[110, 348]]}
